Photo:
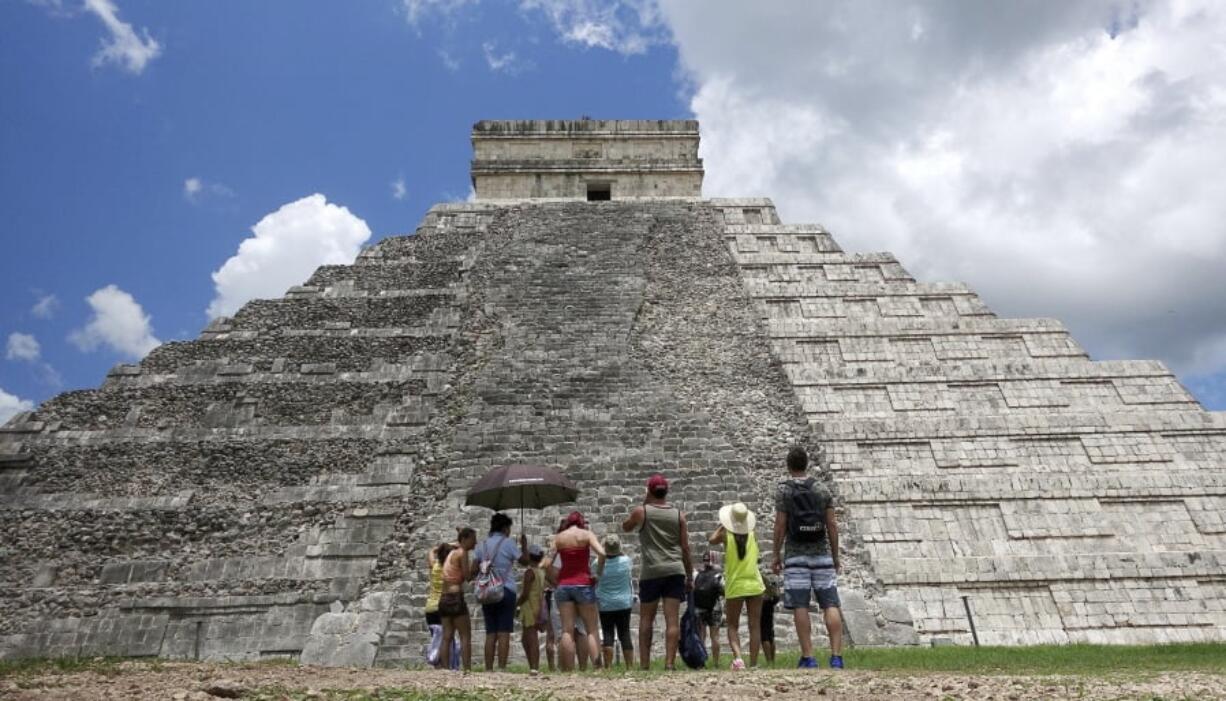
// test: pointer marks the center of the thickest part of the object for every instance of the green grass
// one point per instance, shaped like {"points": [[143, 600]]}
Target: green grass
{"points": [[62, 665], [1091, 660], [1037, 659]]}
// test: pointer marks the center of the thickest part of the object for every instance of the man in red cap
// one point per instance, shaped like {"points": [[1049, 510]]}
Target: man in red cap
{"points": [[666, 571]]}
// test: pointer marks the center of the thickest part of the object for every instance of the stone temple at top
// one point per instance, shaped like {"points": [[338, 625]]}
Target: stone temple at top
{"points": [[269, 489], [587, 159]]}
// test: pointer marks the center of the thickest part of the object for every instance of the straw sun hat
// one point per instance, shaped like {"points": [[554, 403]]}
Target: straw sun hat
{"points": [[737, 518]]}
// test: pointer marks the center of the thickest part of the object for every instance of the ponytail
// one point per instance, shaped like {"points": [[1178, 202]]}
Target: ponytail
{"points": [[742, 542]]}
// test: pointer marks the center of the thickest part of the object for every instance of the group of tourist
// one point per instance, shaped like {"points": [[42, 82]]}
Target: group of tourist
{"points": [[583, 582]]}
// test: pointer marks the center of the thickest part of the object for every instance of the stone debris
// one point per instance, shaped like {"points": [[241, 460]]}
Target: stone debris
{"points": [[225, 688]]}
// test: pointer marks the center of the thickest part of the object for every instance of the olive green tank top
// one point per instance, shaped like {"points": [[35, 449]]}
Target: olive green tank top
{"points": [[660, 542]]}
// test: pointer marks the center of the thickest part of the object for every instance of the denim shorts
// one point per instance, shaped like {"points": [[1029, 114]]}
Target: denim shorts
{"points": [[500, 617], [577, 593], [807, 575]]}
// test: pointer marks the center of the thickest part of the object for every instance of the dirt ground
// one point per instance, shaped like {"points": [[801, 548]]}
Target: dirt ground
{"points": [[188, 682]]}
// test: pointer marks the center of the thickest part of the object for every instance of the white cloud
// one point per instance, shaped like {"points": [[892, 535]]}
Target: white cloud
{"points": [[11, 405], [192, 188], [286, 247], [22, 346], [416, 10], [625, 26], [119, 323], [45, 307], [124, 47], [450, 62], [507, 62], [195, 189], [399, 189], [1063, 158]]}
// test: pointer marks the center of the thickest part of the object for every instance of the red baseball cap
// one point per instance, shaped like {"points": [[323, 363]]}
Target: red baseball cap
{"points": [[656, 481]]}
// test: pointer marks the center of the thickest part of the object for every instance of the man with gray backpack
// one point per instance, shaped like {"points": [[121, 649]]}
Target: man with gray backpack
{"points": [[807, 535]]}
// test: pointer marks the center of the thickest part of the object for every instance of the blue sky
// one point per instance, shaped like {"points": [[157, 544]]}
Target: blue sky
{"points": [[263, 103], [1072, 173]]}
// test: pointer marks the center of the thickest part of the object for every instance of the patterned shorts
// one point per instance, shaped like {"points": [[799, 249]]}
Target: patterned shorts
{"points": [[806, 575]]}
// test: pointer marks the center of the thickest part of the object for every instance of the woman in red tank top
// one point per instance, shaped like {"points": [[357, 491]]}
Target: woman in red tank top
{"points": [[576, 593]]}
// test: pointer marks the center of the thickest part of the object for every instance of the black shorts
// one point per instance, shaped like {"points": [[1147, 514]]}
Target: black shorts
{"points": [[711, 618], [619, 622], [656, 588], [768, 620], [433, 619], [452, 605]]}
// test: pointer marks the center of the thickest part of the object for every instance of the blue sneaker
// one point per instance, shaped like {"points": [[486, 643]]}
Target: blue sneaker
{"points": [[836, 662], [807, 663]]}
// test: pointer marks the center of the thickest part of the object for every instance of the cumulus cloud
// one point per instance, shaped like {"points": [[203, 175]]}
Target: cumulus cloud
{"points": [[1063, 158], [399, 189], [286, 246], [118, 323], [22, 346], [124, 47], [45, 307], [11, 405]]}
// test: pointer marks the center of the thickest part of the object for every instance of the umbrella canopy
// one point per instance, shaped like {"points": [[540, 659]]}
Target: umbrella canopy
{"points": [[520, 487]]}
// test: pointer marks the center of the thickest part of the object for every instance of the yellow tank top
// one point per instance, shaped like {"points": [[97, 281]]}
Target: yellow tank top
{"points": [[436, 587], [741, 575]]}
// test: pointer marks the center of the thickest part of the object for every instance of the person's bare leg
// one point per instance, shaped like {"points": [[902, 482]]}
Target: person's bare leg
{"points": [[672, 631], [465, 624], [732, 613], [834, 628], [714, 644], [607, 652], [803, 631], [580, 649], [551, 645], [504, 649], [532, 648], [753, 615], [591, 622], [491, 639], [566, 648], [444, 655], [647, 619]]}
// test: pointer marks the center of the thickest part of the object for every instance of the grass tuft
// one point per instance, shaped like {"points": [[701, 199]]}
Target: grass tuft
{"points": [[60, 665]]}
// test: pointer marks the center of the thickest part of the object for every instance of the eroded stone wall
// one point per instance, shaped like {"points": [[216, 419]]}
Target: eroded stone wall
{"points": [[992, 470]]}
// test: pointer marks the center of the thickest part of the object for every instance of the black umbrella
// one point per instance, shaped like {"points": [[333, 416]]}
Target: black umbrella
{"points": [[522, 487]]}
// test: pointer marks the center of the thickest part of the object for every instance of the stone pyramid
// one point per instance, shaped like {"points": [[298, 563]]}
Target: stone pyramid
{"points": [[270, 489]]}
